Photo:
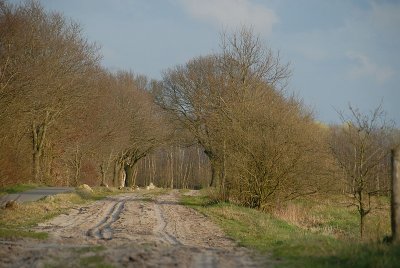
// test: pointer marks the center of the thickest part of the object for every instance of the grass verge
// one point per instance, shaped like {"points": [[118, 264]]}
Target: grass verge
{"points": [[94, 261], [18, 188], [291, 245], [151, 194]]}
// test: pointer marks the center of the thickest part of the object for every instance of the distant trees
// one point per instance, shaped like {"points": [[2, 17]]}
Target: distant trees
{"points": [[63, 117], [125, 127], [177, 166], [361, 147], [142, 121]]}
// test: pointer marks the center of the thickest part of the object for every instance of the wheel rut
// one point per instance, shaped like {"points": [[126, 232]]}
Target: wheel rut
{"points": [[130, 230], [103, 229], [160, 229]]}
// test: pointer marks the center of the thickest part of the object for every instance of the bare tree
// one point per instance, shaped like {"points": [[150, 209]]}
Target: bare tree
{"points": [[274, 150], [263, 145], [47, 70], [197, 92], [184, 166], [359, 147], [134, 127], [246, 59]]}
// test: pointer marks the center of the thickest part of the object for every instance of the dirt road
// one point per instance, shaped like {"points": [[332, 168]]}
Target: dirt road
{"points": [[130, 230]]}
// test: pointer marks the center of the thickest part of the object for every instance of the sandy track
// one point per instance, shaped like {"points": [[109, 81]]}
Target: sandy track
{"points": [[129, 230]]}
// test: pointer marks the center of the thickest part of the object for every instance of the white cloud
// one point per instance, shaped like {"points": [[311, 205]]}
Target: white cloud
{"points": [[364, 67], [232, 13]]}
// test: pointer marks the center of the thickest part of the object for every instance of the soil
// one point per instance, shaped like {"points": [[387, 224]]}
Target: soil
{"points": [[130, 230]]}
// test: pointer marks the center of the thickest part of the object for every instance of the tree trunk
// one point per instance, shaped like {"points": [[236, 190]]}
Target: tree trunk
{"points": [[38, 138], [361, 224], [153, 170], [117, 174], [129, 176], [223, 185], [39, 132], [121, 177], [76, 175], [216, 172], [172, 170], [104, 167], [395, 202], [47, 165], [361, 211], [213, 176], [36, 165], [77, 165], [103, 172]]}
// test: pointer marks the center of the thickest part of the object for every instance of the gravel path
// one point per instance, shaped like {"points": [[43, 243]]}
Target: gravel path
{"points": [[129, 230]]}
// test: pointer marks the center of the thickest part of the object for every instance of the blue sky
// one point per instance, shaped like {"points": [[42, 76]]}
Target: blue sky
{"points": [[340, 51]]}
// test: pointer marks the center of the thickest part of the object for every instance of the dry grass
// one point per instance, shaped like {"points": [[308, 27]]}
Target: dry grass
{"points": [[28, 214], [332, 215], [299, 216], [312, 232]]}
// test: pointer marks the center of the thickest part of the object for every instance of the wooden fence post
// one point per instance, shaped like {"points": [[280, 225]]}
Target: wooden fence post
{"points": [[395, 202]]}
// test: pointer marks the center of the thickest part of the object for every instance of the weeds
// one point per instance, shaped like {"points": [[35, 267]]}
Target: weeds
{"points": [[11, 233], [94, 261], [13, 189], [305, 233], [154, 192]]}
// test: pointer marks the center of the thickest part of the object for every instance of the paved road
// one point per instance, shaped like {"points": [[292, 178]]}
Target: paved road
{"points": [[34, 194]]}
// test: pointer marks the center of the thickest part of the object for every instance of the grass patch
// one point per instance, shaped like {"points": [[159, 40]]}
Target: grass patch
{"points": [[331, 215], [18, 233], [17, 188], [94, 249], [154, 192], [94, 261], [184, 191], [292, 245]]}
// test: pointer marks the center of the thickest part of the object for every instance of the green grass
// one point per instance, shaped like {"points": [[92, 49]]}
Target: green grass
{"points": [[98, 193], [294, 246], [10, 233], [94, 261], [154, 192], [94, 249], [91, 257], [17, 188]]}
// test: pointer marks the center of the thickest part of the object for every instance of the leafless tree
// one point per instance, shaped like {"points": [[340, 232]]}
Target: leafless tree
{"points": [[360, 147], [261, 143], [274, 150], [197, 92], [47, 69]]}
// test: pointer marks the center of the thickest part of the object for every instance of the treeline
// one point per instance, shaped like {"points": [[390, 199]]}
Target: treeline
{"points": [[64, 118], [223, 120]]}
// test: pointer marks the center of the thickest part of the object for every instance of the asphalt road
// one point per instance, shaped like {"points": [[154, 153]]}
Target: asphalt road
{"points": [[34, 194]]}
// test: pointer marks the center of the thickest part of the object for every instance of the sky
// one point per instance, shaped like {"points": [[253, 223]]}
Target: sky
{"points": [[340, 52]]}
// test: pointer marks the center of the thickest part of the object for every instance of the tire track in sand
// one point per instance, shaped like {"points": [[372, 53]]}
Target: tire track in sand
{"points": [[160, 229], [103, 229], [133, 231]]}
